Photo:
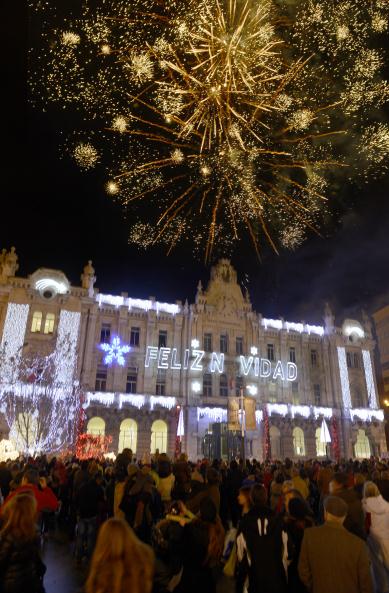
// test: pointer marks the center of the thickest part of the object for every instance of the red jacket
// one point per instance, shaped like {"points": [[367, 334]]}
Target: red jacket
{"points": [[45, 499]]}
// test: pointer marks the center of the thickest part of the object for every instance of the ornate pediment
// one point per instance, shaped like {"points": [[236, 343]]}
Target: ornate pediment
{"points": [[223, 292]]}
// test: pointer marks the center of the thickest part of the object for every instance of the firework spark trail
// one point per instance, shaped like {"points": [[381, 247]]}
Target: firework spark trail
{"points": [[224, 117]]}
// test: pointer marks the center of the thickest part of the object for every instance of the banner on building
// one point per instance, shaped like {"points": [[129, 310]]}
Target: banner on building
{"points": [[249, 412], [233, 413]]}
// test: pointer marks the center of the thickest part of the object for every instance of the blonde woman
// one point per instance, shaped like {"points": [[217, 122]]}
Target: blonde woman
{"points": [[377, 523], [21, 567], [121, 563]]}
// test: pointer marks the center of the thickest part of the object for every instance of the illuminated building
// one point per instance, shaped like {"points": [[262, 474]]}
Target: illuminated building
{"points": [[139, 359]]}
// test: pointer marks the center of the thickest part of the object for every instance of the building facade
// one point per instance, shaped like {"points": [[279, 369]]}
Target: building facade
{"points": [[149, 370], [381, 320]]}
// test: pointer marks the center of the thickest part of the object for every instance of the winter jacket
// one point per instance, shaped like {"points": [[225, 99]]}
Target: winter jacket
{"points": [[355, 520], [89, 500], [45, 497], [165, 487], [21, 568], [377, 509], [260, 553]]}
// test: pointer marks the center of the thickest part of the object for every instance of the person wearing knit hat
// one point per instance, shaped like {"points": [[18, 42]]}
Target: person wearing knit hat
{"points": [[333, 560]]}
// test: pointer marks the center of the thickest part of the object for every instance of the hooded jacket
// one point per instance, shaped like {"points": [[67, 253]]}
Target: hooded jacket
{"points": [[378, 509]]}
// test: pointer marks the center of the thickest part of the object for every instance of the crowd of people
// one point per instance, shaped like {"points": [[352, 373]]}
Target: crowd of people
{"points": [[162, 526]]}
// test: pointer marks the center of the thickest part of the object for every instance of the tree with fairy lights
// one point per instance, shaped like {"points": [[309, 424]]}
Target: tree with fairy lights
{"points": [[40, 404]]}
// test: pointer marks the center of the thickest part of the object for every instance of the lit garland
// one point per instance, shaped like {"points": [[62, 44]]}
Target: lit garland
{"points": [[228, 118], [91, 446], [266, 435], [371, 391], [344, 379], [12, 340], [66, 347], [335, 438]]}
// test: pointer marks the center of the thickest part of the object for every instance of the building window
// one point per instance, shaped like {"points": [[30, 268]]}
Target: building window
{"points": [[353, 361], [134, 336], [238, 385], [349, 359], [224, 343], [132, 378], [223, 385], [96, 426], [298, 441], [292, 354], [36, 322], [101, 378], [160, 387], [295, 393], [357, 398], [207, 385], [208, 342], [49, 323], [128, 435], [158, 437], [105, 333], [270, 351], [321, 448], [317, 394], [356, 360], [162, 339], [239, 345], [272, 392], [314, 358]]}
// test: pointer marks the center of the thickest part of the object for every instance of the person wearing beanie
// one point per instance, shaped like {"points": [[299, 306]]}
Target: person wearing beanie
{"points": [[296, 520], [333, 560]]}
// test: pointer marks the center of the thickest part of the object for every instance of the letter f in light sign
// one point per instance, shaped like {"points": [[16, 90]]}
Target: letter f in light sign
{"points": [[151, 354]]}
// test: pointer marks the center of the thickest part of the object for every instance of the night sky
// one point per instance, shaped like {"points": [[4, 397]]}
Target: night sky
{"points": [[59, 217]]}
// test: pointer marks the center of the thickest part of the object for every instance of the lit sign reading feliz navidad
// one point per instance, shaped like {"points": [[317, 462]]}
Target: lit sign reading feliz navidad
{"points": [[193, 359]]}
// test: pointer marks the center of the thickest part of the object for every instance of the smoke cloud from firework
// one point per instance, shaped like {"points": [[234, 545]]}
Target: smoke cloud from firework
{"points": [[221, 119]]}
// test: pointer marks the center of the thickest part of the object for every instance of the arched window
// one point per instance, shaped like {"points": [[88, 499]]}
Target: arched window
{"points": [[321, 449], [128, 435], [298, 441], [362, 446], [275, 442], [49, 323], [96, 426], [158, 436], [36, 322]]}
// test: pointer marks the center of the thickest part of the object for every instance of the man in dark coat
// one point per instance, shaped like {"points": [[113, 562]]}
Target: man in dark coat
{"points": [[332, 560], [355, 520]]}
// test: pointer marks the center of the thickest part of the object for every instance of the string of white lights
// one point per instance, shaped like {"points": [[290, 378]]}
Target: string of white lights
{"points": [[344, 379], [12, 340], [371, 391], [66, 346]]}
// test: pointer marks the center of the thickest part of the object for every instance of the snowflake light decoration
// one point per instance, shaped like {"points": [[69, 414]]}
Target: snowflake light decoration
{"points": [[115, 351]]}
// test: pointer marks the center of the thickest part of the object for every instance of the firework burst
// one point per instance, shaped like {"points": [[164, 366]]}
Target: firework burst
{"points": [[227, 118]]}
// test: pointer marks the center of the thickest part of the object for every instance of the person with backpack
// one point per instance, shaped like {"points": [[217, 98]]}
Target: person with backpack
{"points": [[260, 548]]}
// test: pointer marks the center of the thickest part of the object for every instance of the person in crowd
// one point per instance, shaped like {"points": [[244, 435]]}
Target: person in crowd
{"points": [[141, 504], [31, 482], [301, 482], [182, 474], [359, 480], [276, 489], [166, 478], [5, 479], [211, 490], [355, 521], [296, 521], [202, 547], [81, 476], [383, 484], [260, 548], [377, 523], [234, 479], [89, 500], [21, 567], [287, 486], [121, 563], [333, 560], [244, 497]]}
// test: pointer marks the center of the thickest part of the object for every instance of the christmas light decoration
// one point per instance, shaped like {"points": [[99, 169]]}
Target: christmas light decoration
{"points": [[130, 303], [335, 438], [280, 409], [196, 386], [366, 415], [102, 397], [115, 351], [252, 389], [163, 401], [212, 414], [91, 446], [138, 401], [350, 330], [344, 379], [258, 416], [254, 350], [371, 391], [195, 343], [320, 411], [12, 340], [304, 411], [66, 347], [266, 435], [46, 283]]}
